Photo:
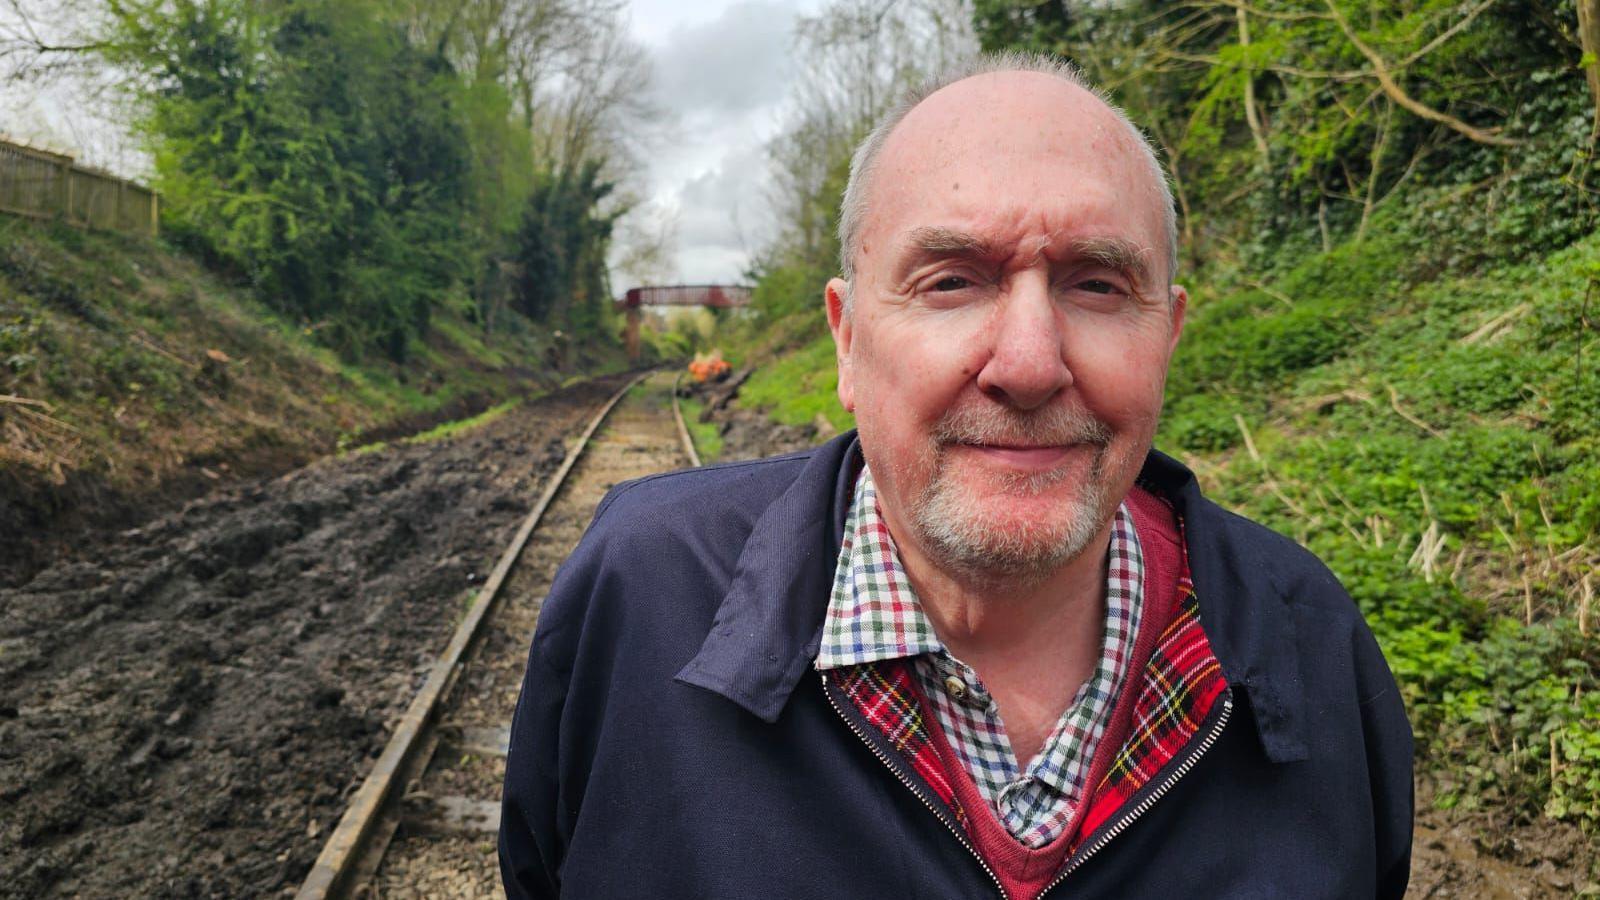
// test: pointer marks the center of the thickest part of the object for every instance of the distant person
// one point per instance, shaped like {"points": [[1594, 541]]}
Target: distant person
{"points": [[993, 645]]}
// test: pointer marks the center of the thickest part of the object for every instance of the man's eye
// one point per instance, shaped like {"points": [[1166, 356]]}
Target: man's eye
{"points": [[951, 283], [1097, 286]]}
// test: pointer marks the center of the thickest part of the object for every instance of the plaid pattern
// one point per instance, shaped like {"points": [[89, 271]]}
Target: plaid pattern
{"points": [[873, 616], [883, 694], [1181, 685], [873, 613]]}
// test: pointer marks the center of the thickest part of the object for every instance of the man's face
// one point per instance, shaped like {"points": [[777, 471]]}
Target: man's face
{"points": [[1011, 325]]}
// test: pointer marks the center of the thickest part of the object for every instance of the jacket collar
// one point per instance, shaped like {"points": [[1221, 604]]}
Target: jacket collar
{"points": [[768, 629], [769, 626], [1244, 607]]}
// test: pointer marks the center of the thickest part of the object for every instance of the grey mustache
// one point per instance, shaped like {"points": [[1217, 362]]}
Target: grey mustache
{"points": [[998, 425]]}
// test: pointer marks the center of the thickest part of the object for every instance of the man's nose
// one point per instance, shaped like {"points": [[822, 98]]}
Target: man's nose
{"points": [[1027, 363]]}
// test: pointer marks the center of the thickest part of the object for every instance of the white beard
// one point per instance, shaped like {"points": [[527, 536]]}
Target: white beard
{"points": [[969, 534]]}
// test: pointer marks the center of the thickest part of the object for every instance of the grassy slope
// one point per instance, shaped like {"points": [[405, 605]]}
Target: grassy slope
{"points": [[138, 366], [797, 387], [1436, 443]]}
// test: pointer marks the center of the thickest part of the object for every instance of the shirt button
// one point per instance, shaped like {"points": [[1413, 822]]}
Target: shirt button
{"points": [[955, 687]]}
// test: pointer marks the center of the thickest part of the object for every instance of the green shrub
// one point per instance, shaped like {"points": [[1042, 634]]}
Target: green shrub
{"points": [[1201, 423], [796, 388]]}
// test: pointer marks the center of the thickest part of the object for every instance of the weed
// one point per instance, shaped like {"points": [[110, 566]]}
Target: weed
{"points": [[705, 435], [462, 426]]}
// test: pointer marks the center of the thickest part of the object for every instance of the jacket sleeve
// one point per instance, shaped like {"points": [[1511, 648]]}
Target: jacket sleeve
{"points": [[1389, 763], [531, 844], [549, 731]]}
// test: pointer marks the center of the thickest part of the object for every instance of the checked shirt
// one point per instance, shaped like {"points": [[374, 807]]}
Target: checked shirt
{"points": [[874, 616]]}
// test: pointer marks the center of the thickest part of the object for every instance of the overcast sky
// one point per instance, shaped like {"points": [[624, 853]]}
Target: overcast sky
{"points": [[722, 73]]}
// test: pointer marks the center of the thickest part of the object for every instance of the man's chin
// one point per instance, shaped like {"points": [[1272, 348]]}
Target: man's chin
{"points": [[1009, 535]]}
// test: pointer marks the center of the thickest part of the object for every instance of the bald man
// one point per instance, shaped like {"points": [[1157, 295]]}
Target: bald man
{"points": [[992, 644]]}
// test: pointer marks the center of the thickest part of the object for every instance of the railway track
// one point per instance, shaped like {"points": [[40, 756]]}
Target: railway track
{"points": [[423, 822]]}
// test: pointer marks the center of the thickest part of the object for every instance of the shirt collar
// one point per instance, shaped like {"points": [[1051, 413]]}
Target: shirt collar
{"points": [[767, 631], [874, 615]]}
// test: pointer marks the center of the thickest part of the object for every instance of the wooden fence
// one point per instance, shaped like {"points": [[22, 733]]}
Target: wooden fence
{"points": [[47, 185]]}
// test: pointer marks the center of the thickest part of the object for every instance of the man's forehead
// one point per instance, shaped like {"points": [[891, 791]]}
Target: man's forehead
{"points": [[999, 110], [1014, 240], [1012, 139], [982, 218]]}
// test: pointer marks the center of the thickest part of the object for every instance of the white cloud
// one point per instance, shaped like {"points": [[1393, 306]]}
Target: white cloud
{"points": [[722, 72], [734, 64], [723, 217]]}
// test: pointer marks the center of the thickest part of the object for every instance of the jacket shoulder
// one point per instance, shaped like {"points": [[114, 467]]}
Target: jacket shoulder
{"points": [[1299, 576], [1240, 555]]}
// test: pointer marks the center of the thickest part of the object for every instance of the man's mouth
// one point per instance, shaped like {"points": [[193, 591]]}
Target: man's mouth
{"points": [[1027, 457]]}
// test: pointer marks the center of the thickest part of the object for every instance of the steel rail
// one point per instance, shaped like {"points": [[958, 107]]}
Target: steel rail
{"points": [[683, 430], [353, 839]]}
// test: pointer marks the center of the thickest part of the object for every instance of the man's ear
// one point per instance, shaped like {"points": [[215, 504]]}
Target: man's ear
{"points": [[843, 333], [1180, 304]]}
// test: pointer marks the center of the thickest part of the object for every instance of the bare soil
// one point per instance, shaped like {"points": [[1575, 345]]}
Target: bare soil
{"points": [[437, 851], [184, 706], [1485, 854]]}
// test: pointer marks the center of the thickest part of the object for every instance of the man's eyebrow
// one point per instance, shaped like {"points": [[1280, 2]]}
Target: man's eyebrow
{"points": [[1111, 252], [937, 239], [1114, 253]]}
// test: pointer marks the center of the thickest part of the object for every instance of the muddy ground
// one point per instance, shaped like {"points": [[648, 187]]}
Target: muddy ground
{"points": [[185, 705], [445, 845]]}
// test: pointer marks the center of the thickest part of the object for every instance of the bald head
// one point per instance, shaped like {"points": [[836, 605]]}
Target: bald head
{"points": [[994, 106]]}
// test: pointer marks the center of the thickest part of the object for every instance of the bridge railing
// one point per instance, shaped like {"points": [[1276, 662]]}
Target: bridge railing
{"points": [[717, 295]]}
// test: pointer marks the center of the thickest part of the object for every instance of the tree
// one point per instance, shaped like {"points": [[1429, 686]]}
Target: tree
{"points": [[1589, 42], [1295, 119], [861, 55]]}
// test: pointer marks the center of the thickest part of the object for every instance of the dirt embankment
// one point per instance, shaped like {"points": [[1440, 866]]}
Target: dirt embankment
{"points": [[132, 378], [748, 433], [184, 706]]}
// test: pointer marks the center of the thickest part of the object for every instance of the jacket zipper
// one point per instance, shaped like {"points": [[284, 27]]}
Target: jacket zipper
{"points": [[906, 780], [1150, 799]]}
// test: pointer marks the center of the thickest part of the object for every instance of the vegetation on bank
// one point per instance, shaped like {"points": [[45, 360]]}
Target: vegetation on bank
{"points": [[1389, 237], [370, 169], [446, 430], [1441, 458], [374, 214], [129, 364]]}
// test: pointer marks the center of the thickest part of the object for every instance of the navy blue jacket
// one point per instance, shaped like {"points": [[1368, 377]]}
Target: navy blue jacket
{"points": [[673, 741]]}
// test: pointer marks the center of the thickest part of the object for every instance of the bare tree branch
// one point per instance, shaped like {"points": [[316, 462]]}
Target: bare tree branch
{"points": [[1447, 34], [1382, 71], [1251, 115]]}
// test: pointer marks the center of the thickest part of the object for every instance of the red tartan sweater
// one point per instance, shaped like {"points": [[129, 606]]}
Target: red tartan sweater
{"points": [[1025, 872]]}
